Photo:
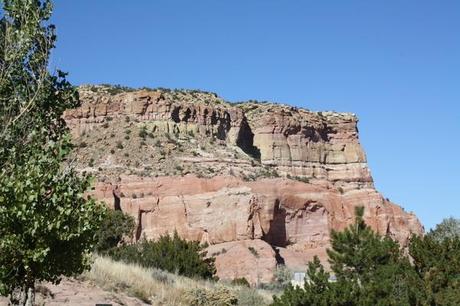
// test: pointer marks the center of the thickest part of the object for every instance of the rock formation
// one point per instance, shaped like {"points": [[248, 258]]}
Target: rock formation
{"points": [[261, 183]]}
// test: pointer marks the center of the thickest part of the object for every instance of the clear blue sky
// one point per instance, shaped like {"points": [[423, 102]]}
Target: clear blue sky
{"points": [[396, 64]]}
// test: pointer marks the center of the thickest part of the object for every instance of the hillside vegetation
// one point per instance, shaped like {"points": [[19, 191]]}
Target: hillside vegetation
{"points": [[162, 288]]}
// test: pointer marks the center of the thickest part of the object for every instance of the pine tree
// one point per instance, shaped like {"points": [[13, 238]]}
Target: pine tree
{"points": [[369, 270], [437, 263]]}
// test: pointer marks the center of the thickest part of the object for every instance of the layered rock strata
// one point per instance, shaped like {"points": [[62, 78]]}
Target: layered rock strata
{"points": [[271, 215], [261, 183], [320, 146]]}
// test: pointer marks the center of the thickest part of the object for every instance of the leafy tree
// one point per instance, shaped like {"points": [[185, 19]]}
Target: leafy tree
{"points": [[114, 227], [369, 270], [448, 228], [47, 224], [170, 253]]}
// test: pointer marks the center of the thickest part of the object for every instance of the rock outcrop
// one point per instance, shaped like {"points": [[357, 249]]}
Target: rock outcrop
{"points": [[261, 183], [318, 145]]}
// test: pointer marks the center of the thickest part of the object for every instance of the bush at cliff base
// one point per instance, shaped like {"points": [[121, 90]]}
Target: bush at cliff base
{"points": [[372, 270], [170, 253], [114, 228]]}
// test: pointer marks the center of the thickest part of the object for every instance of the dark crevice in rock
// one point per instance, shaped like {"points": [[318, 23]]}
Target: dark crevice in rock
{"points": [[116, 202], [139, 226], [223, 125], [245, 140], [187, 115], [175, 114], [279, 259], [213, 118], [116, 198], [277, 234], [315, 135], [324, 133]]}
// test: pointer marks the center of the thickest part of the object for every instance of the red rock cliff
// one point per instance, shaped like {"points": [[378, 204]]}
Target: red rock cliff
{"points": [[260, 183]]}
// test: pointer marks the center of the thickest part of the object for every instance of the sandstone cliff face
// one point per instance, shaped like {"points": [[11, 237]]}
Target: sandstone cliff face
{"points": [[321, 145], [212, 118], [260, 183]]}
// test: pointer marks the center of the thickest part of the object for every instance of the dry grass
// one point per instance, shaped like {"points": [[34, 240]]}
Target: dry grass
{"points": [[161, 288]]}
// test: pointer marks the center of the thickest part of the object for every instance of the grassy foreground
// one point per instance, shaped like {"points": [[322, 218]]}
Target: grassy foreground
{"points": [[162, 288]]}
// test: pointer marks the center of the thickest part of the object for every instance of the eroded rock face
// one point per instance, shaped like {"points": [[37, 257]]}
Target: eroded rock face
{"points": [[170, 115], [252, 259], [264, 182], [317, 145], [322, 147], [290, 217]]}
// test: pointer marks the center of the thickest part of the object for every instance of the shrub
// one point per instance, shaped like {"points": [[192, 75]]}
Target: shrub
{"points": [[243, 282], [114, 227], [250, 297], [143, 132], [105, 125], [274, 173], [219, 296], [302, 179], [119, 145], [170, 253], [282, 276], [253, 251], [162, 276]]}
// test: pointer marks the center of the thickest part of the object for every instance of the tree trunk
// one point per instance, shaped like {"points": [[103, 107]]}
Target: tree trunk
{"points": [[30, 297], [23, 296]]}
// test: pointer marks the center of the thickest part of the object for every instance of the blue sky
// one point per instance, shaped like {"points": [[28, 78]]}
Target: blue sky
{"points": [[396, 64]]}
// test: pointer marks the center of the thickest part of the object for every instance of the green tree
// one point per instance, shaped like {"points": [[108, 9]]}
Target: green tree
{"points": [[448, 228], [170, 253], [368, 270], [47, 223], [114, 227], [437, 263]]}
